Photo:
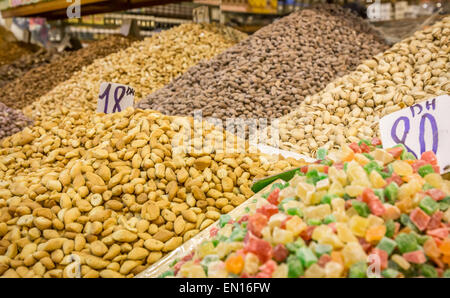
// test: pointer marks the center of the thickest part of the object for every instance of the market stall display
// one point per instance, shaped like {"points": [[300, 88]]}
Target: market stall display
{"points": [[145, 66], [113, 190], [271, 72], [349, 108], [361, 208], [12, 121], [38, 81]]}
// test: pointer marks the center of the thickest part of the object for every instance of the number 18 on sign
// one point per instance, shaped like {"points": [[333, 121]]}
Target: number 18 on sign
{"points": [[114, 98], [422, 127]]}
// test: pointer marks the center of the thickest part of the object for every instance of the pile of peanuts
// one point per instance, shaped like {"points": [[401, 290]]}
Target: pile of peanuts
{"points": [[145, 66], [112, 192], [349, 108]]}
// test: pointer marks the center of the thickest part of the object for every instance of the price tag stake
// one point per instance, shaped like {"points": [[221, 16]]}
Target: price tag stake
{"points": [[422, 127], [114, 98]]}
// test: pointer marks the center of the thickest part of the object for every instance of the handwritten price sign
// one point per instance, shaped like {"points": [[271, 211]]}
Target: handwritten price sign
{"points": [[422, 127], [114, 98]]}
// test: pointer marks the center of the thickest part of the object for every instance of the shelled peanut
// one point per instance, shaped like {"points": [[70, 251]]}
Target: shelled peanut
{"points": [[112, 192], [349, 108]]}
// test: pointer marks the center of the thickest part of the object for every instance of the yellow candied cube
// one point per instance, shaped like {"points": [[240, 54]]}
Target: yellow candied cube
{"points": [[361, 159], [337, 175], [338, 204], [354, 190], [340, 216], [251, 264], [377, 180], [354, 171], [323, 184], [358, 225], [281, 236], [315, 166], [374, 221], [435, 180], [296, 180], [408, 190], [336, 189], [333, 240], [402, 168], [287, 192], [315, 271], [281, 271], [295, 225], [344, 233], [206, 248], [224, 248], [217, 269], [404, 264], [317, 212], [266, 234], [350, 212], [320, 232], [305, 191], [317, 196], [353, 253], [382, 156], [333, 269]]}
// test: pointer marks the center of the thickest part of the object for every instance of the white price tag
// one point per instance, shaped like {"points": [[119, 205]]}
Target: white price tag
{"points": [[422, 127], [114, 98]]}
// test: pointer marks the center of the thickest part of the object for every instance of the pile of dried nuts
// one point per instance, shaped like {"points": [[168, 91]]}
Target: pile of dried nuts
{"points": [[19, 67], [38, 81], [115, 192], [271, 72], [11, 121], [11, 49], [349, 108], [146, 66]]}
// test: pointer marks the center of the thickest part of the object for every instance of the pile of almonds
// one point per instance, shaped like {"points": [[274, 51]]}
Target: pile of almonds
{"points": [[11, 121], [39, 80], [271, 72], [114, 193], [349, 108], [145, 66]]}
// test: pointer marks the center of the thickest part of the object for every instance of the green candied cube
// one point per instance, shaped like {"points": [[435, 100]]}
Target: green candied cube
{"points": [[391, 192], [428, 271], [427, 186], [446, 273], [406, 243], [167, 273], [321, 153], [407, 155], [370, 157], [292, 247], [379, 192], [329, 219], [326, 199], [387, 245], [295, 211], [389, 273], [295, 267], [322, 249], [425, 170], [224, 219], [307, 257], [361, 207], [444, 203], [358, 270], [428, 205], [390, 228]]}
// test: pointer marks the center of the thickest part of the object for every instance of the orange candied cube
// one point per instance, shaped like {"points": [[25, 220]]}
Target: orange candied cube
{"points": [[375, 233], [336, 256], [234, 264], [431, 249], [446, 259]]}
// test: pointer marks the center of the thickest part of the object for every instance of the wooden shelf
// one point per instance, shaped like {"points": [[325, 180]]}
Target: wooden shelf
{"points": [[56, 9]]}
